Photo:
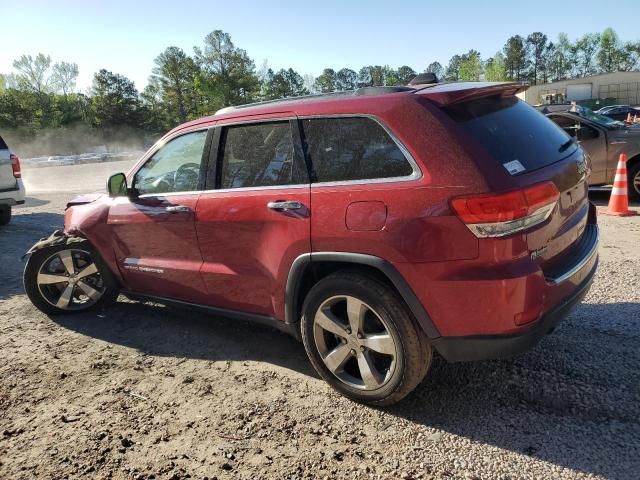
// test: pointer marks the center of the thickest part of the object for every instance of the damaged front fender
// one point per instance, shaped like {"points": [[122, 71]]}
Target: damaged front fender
{"points": [[56, 238]]}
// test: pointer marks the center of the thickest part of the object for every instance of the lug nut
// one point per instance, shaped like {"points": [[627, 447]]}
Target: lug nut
{"points": [[359, 335], [349, 331], [362, 348], [353, 352]]}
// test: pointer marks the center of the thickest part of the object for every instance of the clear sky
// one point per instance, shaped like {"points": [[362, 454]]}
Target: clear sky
{"points": [[125, 36]]}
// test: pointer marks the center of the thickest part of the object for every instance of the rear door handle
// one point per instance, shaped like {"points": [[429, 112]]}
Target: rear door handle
{"points": [[284, 205], [177, 209]]}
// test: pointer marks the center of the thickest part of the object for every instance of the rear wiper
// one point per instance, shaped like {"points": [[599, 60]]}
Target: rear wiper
{"points": [[566, 144]]}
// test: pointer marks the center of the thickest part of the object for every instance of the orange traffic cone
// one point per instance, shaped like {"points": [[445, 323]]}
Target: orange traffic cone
{"points": [[619, 201], [628, 120]]}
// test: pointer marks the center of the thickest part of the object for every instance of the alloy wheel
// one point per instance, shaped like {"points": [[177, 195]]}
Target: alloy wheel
{"points": [[354, 342], [70, 280]]}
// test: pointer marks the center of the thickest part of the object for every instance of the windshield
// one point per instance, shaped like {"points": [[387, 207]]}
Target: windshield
{"points": [[606, 122]]}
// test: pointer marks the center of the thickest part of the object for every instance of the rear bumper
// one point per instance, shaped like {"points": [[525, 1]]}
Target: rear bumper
{"points": [[13, 196], [485, 347]]}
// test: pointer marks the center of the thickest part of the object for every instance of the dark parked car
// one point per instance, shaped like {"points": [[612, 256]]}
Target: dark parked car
{"points": [[603, 139], [376, 226], [619, 112]]}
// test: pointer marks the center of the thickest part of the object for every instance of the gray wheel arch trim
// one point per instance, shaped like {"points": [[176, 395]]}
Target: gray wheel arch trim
{"points": [[387, 269]]}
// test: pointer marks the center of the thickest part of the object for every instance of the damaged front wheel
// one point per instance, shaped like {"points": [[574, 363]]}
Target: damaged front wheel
{"points": [[68, 278]]}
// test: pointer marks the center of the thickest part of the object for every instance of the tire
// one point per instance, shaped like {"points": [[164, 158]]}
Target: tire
{"points": [[633, 182], [5, 214], [91, 291], [388, 346]]}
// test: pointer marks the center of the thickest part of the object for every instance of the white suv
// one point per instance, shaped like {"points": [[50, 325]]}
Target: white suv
{"points": [[11, 186]]}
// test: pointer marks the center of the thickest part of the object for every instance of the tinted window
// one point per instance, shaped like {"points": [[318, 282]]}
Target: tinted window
{"points": [[3, 146], [258, 155], [569, 125], [512, 130], [351, 148], [173, 168]]}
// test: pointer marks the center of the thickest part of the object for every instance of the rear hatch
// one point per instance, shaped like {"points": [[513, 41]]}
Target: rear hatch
{"points": [[7, 180], [519, 149]]}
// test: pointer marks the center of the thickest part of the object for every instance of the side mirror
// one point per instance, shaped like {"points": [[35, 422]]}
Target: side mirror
{"points": [[117, 185]]}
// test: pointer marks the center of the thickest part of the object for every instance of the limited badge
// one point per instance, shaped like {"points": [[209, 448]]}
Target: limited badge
{"points": [[514, 167]]}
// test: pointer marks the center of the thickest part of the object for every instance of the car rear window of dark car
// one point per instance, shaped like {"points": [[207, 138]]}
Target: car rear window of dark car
{"points": [[353, 149], [517, 135], [3, 146]]}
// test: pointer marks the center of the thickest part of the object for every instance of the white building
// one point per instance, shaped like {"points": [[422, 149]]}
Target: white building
{"points": [[618, 88]]}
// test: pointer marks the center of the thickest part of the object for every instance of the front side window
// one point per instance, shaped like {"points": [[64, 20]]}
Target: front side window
{"points": [[352, 148], [259, 155], [173, 168]]}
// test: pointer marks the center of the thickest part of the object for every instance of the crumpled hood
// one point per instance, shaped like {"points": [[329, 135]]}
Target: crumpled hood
{"points": [[85, 198]]}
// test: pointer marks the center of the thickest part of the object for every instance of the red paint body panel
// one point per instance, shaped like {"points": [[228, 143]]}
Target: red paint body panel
{"points": [[156, 251], [368, 216], [233, 252], [248, 249]]}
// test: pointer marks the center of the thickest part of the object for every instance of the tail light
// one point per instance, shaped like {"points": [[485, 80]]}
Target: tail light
{"points": [[490, 215], [15, 166]]}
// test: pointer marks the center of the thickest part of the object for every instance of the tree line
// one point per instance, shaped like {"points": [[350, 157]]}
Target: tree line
{"points": [[41, 94]]}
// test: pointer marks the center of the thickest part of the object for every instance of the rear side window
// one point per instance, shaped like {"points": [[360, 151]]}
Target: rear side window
{"points": [[352, 148], [517, 135], [3, 146], [259, 155]]}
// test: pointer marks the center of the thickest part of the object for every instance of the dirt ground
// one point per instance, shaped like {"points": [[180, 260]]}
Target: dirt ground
{"points": [[143, 391]]}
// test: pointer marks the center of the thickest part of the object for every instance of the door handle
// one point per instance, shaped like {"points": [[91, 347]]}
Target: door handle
{"points": [[177, 209], [284, 205]]}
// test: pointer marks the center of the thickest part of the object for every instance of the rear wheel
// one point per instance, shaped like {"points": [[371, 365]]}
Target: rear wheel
{"points": [[5, 214], [68, 279], [634, 181], [362, 340]]}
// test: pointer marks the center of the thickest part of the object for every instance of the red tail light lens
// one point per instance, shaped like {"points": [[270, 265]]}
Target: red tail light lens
{"points": [[15, 166], [540, 195], [490, 215]]}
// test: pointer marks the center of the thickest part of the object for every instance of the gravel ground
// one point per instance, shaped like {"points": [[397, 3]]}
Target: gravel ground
{"points": [[144, 391]]}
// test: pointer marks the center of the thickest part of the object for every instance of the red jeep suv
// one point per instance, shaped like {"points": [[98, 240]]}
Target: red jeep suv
{"points": [[376, 226]]}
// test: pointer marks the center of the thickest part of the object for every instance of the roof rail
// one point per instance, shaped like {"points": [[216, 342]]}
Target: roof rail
{"points": [[363, 91]]}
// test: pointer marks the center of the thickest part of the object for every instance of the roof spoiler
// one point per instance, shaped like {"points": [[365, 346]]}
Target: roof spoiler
{"points": [[450, 93]]}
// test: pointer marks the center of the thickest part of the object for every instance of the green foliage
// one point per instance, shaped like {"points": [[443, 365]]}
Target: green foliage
{"points": [[405, 74], [538, 45], [346, 79], [40, 94], [516, 58], [285, 83], [494, 69], [174, 83], [64, 76], [470, 67], [115, 100], [33, 73], [326, 82], [585, 51], [228, 75], [437, 69]]}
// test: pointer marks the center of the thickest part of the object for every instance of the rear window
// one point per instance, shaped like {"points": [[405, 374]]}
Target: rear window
{"points": [[517, 135], [3, 146]]}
